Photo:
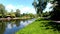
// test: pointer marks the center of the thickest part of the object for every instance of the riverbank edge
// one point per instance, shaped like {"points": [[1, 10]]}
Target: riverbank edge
{"points": [[14, 18], [37, 27]]}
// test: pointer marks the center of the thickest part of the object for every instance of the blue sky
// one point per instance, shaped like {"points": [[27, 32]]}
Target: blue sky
{"points": [[25, 6], [17, 2]]}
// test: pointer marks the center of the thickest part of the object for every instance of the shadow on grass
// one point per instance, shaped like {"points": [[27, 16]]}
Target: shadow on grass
{"points": [[52, 25], [41, 19], [49, 25]]}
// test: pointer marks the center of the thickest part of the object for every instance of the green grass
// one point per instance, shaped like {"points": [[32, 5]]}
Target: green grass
{"points": [[39, 26]]}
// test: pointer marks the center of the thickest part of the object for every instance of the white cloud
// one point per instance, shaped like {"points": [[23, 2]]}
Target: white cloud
{"points": [[10, 7], [9, 26], [23, 9], [28, 10], [48, 7]]}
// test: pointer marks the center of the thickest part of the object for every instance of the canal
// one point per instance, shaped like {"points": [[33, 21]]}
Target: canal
{"points": [[12, 26]]}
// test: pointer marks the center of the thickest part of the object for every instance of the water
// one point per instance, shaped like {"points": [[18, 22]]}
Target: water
{"points": [[11, 27]]}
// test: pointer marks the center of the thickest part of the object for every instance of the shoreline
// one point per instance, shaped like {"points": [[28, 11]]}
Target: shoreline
{"points": [[14, 18], [40, 26]]}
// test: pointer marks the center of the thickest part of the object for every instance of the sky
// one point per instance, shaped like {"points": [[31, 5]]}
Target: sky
{"points": [[25, 6], [48, 7]]}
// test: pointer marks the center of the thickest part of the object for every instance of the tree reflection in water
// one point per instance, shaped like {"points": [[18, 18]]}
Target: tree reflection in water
{"points": [[17, 22], [2, 27], [10, 27]]}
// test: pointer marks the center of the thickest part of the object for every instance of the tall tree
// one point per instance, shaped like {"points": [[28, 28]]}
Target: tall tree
{"points": [[17, 13], [40, 6], [55, 15], [12, 14], [34, 4], [2, 10]]}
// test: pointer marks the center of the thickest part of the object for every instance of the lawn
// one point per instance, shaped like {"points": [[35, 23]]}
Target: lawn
{"points": [[41, 26]]}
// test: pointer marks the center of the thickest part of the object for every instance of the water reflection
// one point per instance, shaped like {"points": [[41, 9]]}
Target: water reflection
{"points": [[2, 27], [10, 27]]}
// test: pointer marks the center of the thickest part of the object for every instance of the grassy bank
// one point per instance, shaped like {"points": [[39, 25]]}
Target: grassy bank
{"points": [[40, 26]]}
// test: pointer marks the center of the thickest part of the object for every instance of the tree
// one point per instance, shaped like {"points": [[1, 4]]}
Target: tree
{"points": [[40, 6], [2, 10], [46, 14], [17, 13], [55, 15], [31, 15], [34, 4], [12, 14]]}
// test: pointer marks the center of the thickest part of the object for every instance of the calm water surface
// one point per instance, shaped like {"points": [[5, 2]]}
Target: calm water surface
{"points": [[10, 27]]}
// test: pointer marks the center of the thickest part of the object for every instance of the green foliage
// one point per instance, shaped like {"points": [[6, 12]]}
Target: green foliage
{"points": [[40, 6], [55, 15], [34, 4], [17, 13], [46, 14], [31, 15], [2, 10], [12, 14], [4, 13]]}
